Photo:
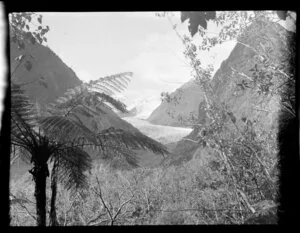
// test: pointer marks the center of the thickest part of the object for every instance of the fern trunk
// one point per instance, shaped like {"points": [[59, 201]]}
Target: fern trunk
{"points": [[53, 216], [40, 173]]}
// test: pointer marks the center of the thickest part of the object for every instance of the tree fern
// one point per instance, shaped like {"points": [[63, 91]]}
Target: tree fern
{"points": [[40, 147], [62, 137], [89, 99], [73, 161]]}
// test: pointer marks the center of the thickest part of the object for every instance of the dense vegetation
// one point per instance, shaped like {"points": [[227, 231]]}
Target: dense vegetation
{"points": [[231, 178]]}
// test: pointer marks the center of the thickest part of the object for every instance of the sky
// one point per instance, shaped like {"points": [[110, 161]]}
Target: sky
{"points": [[105, 43]]}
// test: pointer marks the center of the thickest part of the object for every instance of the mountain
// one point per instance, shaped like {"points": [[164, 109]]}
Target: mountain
{"points": [[244, 103], [48, 77], [182, 109]]}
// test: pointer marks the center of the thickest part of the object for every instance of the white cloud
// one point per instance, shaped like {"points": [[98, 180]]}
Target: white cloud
{"points": [[84, 75], [160, 59]]}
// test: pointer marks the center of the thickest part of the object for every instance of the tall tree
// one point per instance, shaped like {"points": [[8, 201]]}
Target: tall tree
{"points": [[89, 100]]}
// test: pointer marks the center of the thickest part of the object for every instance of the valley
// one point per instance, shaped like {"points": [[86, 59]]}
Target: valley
{"points": [[206, 152], [161, 133]]}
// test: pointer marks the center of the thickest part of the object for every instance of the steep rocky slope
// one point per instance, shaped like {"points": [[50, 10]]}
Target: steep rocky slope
{"points": [[261, 36], [48, 77], [245, 103]]}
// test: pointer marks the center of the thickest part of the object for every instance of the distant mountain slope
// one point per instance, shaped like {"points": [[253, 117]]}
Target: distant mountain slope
{"points": [[48, 75], [184, 107]]}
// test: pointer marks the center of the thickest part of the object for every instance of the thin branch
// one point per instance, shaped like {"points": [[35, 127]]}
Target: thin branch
{"points": [[260, 162], [14, 159], [248, 46], [95, 219], [101, 198], [98, 223], [24, 207], [199, 209], [246, 200], [259, 109], [242, 74], [122, 205], [190, 140]]}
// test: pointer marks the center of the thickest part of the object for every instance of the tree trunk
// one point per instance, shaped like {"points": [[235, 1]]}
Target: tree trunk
{"points": [[40, 173], [53, 216]]}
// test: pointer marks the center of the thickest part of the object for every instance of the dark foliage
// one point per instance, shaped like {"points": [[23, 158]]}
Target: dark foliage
{"points": [[196, 19]]}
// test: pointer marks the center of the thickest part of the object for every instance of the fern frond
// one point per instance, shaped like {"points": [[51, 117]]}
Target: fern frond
{"points": [[121, 155], [89, 98], [22, 133], [115, 82], [101, 89], [118, 105], [84, 110], [22, 105], [131, 140], [60, 127], [73, 162], [120, 85]]}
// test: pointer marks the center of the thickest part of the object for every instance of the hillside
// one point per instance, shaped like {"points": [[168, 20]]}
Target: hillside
{"points": [[48, 76], [244, 103], [182, 110], [263, 35]]}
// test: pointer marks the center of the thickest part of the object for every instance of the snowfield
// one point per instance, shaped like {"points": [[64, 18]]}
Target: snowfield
{"points": [[161, 133]]}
